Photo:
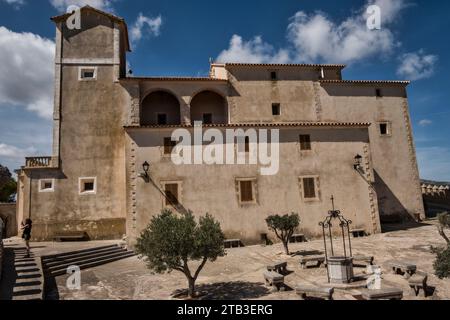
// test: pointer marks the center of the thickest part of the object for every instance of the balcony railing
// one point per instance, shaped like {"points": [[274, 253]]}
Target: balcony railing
{"points": [[40, 162]]}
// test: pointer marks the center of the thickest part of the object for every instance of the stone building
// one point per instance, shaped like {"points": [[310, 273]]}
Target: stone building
{"points": [[107, 124]]}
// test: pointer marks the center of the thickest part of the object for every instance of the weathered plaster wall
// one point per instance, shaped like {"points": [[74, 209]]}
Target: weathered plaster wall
{"points": [[212, 189], [396, 173], [90, 117]]}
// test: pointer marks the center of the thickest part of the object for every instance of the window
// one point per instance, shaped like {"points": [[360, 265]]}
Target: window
{"points": [[273, 76], [46, 185], [162, 119], [88, 185], [378, 93], [246, 191], [243, 146], [385, 128], [87, 74], [276, 109], [309, 186], [305, 142], [169, 145], [207, 118], [171, 194]]}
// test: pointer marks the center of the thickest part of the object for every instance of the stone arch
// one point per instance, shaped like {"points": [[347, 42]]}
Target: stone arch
{"points": [[209, 102], [159, 105]]}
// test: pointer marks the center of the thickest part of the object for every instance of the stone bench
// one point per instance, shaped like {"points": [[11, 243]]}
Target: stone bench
{"points": [[317, 260], [274, 279], [363, 260], [419, 281], [404, 268], [71, 236], [309, 291], [382, 294], [232, 243], [297, 238], [358, 233], [278, 267]]}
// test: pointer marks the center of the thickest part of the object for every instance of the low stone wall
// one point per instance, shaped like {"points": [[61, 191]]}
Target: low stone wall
{"points": [[8, 215]]}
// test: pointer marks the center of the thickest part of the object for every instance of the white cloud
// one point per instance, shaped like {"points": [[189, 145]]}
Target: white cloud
{"points": [[15, 3], [145, 26], [62, 5], [317, 38], [26, 71], [252, 51], [434, 163], [425, 122], [417, 65], [12, 152]]}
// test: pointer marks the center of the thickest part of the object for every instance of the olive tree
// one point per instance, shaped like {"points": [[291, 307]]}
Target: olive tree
{"points": [[175, 241], [444, 223], [284, 227], [442, 262]]}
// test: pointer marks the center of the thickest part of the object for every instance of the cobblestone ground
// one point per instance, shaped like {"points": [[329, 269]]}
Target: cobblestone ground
{"points": [[239, 274]]}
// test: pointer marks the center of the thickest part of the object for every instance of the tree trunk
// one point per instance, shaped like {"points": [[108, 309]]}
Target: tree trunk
{"points": [[286, 246], [443, 235], [191, 290]]}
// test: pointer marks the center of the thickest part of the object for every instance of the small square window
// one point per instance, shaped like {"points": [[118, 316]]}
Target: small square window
{"points": [[88, 185], [162, 119], [88, 74], [169, 145], [305, 142], [378, 93], [46, 185], [207, 118], [385, 128], [276, 109], [273, 76]]}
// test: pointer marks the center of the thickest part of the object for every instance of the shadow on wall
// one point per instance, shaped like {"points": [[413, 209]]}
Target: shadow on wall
{"points": [[391, 209]]}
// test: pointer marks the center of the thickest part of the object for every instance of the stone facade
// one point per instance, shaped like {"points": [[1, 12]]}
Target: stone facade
{"points": [[106, 125]]}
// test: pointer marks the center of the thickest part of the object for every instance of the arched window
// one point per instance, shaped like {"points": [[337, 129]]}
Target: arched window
{"points": [[209, 107], [160, 108]]}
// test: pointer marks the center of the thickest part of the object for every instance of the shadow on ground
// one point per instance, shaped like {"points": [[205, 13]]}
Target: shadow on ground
{"points": [[239, 290], [391, 227]]}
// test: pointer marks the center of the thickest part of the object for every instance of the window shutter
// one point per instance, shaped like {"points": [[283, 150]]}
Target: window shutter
{"points": [[309, 188], [246, 191], [305, 142], [171, 194], [169, 145]]}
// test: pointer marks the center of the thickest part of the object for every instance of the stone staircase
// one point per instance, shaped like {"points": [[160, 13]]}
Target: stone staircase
{"points": [[29, 278], [56, 265]]}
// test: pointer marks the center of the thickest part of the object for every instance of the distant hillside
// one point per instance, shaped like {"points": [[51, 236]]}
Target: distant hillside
{"points": [[435, 183]]}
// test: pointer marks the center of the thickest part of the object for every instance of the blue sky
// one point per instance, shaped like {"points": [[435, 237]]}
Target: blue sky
{"points": [[178, 38]]}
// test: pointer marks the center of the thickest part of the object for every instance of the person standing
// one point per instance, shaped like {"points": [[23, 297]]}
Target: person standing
{"points": [[26, 235]]}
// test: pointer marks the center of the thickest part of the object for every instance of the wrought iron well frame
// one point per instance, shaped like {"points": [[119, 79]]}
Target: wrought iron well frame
{"points": [[345, 228]]}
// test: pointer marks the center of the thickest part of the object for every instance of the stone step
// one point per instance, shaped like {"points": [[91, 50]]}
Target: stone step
{"points": [[80, 257], [78, 262], [29, 284], [72, 253], [92, 264]]}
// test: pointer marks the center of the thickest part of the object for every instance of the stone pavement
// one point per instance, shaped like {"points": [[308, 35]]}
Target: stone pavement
{"points": [[239, 275]]}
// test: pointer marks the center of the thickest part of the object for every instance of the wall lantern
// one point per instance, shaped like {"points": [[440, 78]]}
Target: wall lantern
{"points": [[145, 175], [358, 162]]}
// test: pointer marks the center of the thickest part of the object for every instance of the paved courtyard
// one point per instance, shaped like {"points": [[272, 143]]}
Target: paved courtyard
{"points": [[238, 275]]}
